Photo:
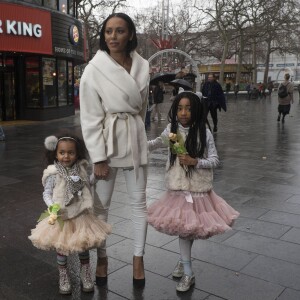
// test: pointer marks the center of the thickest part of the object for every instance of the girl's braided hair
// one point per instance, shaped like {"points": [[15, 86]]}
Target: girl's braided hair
{"points": [[196, 139]]}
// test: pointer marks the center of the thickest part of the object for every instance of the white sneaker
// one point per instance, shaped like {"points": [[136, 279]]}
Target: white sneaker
{"points": [[185, 283]]}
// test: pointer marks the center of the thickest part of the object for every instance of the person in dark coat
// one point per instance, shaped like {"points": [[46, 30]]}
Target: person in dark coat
{"points": [[158, 98], [236, 89], [215, 99]]}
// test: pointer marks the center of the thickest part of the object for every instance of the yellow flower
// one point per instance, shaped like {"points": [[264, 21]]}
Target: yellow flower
{"points": [[52, 213], [52, 219], [172, 137]]}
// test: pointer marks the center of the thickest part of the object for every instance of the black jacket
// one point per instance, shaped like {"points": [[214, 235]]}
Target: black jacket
{"points": [[212, 90]]}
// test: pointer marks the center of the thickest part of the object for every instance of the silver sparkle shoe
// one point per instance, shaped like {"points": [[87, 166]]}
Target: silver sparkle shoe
{"points": [[185, 283], [178, 271], [64, 281], [86, 278]]}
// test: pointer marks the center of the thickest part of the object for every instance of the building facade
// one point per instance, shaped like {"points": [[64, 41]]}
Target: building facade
{"points": [[41, 42], [278, 66]]}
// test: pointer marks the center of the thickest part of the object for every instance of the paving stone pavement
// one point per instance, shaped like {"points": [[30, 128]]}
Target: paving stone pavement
{"points": [[259, 175]]}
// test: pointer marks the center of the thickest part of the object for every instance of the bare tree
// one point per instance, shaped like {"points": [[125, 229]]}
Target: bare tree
{"points": [[219, 19], [183, 31], [92, 14], [280, 27]]}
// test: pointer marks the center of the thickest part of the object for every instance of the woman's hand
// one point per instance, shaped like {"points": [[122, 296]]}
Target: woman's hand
{"points": [[185, 159], [101, 170]]}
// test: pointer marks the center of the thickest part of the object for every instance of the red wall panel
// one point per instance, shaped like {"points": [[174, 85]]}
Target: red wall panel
{"points": [[16, 22]]}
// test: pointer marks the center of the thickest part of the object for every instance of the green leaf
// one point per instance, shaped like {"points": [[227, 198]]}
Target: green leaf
{"points": [[44, 215], [60, 222], [54, 208]]}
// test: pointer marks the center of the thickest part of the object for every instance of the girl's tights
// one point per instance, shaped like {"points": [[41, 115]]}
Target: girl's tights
{"points": [[185, 255], [62, 259]]}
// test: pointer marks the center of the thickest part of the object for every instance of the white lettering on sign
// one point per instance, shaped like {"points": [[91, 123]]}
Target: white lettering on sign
{"points": [[21, 28]]}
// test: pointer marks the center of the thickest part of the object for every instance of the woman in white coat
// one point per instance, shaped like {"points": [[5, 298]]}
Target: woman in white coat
{"points": [[113, 102]]}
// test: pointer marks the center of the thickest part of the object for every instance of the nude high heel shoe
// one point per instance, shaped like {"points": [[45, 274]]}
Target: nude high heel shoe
{"points": [[101, 271], [138, 271]]}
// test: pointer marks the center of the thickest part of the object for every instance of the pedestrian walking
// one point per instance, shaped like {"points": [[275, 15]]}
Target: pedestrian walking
{"points": [[236, 89], [262, 90], [149, 108], [227, 87], [285, 98], [249, 89], [158, 98], [215, 99], [2, 135], [113, 102], [270, 87], [190, 208], [69, 224]]}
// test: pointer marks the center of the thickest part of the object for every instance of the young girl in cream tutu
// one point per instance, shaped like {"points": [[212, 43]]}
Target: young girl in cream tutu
{"points": [[190, 208], [69, 224]]}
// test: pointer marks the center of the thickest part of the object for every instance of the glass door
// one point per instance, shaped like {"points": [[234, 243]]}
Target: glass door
{"points": [[7, 89]]}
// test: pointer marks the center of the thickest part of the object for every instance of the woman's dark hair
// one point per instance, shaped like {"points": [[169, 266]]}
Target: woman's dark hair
{"points": [[196, 139], [132, 44], [50, 156]]}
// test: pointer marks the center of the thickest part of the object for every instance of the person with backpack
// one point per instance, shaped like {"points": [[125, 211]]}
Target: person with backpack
{"points": [[285, 97]]}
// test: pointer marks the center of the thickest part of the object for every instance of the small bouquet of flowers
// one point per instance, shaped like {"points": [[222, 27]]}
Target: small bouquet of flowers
{"points": [[176, 144], [52, 213]]}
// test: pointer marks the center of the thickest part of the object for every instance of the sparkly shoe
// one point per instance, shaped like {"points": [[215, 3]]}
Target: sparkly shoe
{"points": [[185, 283], [64, 281], [86, 278], [178, 271]]}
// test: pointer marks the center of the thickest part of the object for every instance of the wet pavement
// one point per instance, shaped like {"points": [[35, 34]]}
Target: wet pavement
{"points": [[259, 176]]}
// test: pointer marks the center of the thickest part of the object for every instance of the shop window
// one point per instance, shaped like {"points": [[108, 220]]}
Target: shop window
{"points": [[62, 82], [71, 8], [51, 4], [32, 82], [71, 84], [49, 82], [36, 2], [63, 6]]}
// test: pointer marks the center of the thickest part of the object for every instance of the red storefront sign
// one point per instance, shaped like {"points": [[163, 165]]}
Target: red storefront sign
{"points": [[25, 29]]}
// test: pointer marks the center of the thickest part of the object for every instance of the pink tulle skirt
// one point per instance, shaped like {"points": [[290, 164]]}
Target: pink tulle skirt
{"points": [[77, 235], [208, 215]]}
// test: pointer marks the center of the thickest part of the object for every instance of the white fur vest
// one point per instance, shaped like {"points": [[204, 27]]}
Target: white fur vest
{"points": [[80, 203], [201, 180]]}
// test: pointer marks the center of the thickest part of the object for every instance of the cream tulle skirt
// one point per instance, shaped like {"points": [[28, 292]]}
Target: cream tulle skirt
{"points": [[207, 215], [77, 235]]}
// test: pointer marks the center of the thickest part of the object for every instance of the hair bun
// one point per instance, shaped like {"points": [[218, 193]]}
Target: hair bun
{"points": [[51, 142]]}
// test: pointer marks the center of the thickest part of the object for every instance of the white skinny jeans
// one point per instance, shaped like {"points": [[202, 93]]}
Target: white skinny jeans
{"points": [[137, 193]]}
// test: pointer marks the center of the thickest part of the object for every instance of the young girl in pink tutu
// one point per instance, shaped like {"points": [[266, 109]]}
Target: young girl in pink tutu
{"points": [[69, 224], [189, 208]]}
